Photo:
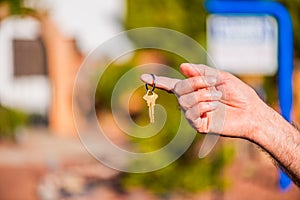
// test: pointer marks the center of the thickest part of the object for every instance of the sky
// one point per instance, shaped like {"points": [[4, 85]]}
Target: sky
{"points": [[90, 22]]}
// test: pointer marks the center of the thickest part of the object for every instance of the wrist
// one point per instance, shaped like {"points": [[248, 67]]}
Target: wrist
{"points": [[270, 129], [281, 140], [264, 125]]}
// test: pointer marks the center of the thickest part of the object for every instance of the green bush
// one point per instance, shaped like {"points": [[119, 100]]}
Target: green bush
{"points": [[10, 120], [188, 174]]}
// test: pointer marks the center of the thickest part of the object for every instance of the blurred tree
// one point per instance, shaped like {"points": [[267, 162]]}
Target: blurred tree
{"points": [[188, 17], [15, 7], [10, 120], [294, 10]]}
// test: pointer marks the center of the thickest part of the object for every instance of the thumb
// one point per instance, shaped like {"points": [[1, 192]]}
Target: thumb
{"points": [[161, 82], [191, 70]]}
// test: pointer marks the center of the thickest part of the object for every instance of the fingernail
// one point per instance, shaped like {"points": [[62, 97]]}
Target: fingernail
{"points": [[185, 63], [210, 80], [146, 78], [216, 94]]}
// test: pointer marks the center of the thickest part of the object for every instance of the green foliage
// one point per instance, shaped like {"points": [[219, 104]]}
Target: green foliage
{"points": [[112, 74], [10, 120], [187, 17], [187, 174], [16, 7], [294, 10], [106, 84]]}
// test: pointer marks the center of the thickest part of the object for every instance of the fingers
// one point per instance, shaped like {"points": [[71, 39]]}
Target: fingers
{"points": [[180, 87], [162, 82], [199, 109], [193, 84], [189, 100], [201, 124], [191, 70], [197, 95], [199, 116]]}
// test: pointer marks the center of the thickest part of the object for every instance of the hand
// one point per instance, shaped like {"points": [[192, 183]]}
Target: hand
{"points": [[214, 101]]}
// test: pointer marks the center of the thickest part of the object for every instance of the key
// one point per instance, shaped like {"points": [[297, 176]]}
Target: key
{"points": [[150, 98]]}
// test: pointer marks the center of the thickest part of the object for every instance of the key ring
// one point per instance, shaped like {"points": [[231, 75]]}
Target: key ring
{"points": [[153, 85]]}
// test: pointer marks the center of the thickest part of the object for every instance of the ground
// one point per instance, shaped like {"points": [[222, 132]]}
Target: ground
{"points": [[42, 166]]}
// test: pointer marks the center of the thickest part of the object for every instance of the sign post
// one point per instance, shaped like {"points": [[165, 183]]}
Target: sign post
{"points": [[285, 48], [243, 44]]}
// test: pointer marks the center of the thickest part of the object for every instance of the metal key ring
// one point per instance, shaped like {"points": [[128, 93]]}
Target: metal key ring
{"points": [[153, 85]]}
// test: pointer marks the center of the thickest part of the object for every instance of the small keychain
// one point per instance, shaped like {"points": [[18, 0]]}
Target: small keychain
{"points": [[150, 97]]}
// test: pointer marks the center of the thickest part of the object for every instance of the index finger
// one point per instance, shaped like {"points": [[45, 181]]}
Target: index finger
{"points": [[162, 82], [190, 70], [193, 84]]}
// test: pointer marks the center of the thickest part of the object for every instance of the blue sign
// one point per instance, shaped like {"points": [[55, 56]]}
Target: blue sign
{"points": [[285, 48]]}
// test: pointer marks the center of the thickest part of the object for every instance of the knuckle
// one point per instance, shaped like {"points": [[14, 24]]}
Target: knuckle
{"points": [[199, 82], [189, 84], [177, 88], [199, 108], [198, 96], [209, 96], [201, 126], [180, 100], [194, 83], [198, 124], [188, 115], [182, 103]]}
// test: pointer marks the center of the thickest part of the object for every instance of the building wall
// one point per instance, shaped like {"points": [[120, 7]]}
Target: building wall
{"points": [[30, 93]]}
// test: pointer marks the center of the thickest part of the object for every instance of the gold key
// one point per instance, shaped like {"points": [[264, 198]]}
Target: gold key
{"points": [[150, 98]]}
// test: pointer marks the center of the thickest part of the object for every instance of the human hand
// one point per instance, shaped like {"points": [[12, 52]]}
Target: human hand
{"points": [[214, 101]]}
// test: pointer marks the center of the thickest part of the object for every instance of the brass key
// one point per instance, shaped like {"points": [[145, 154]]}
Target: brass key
{"points": [[150, 98]]}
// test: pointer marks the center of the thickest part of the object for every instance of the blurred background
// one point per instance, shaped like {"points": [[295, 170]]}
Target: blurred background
{"points": [[42, 45]]}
